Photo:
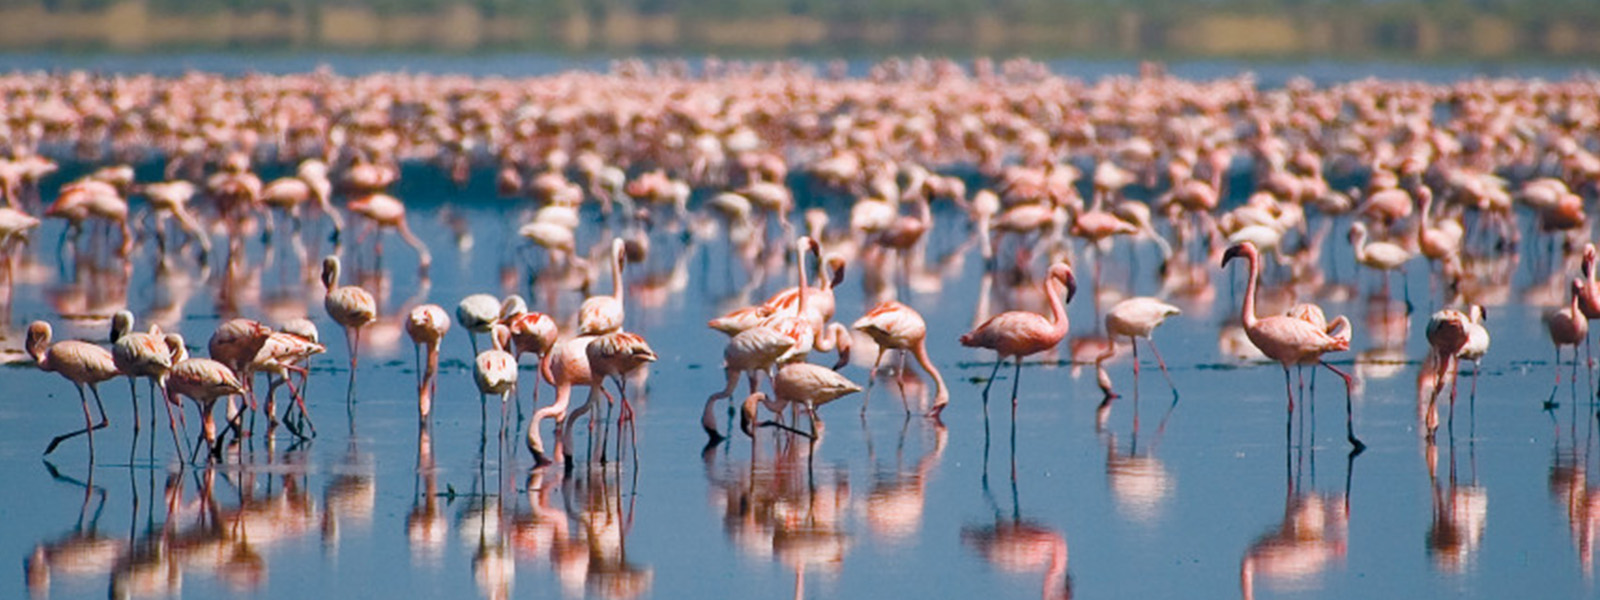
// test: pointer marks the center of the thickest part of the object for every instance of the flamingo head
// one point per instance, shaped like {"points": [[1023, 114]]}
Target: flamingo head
{"points": [[330, 272], [121, 324], [1477, 313], [512, 307], [747, 413], [835, 264], [176, 347], [1062, 272], [38, 339], [1244, 249]]}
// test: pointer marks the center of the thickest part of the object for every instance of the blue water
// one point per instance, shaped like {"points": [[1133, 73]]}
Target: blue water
{"points": [[1161, 499]]}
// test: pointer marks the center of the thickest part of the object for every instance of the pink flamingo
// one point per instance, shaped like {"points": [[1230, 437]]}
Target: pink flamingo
{"points": [[811, 386], [616, 354], [204, 381], [1019, 334], [138, 355], [1289, 340], [599, 315], [895, 326], [752, 351], [1135, 319], [387, 211], [495, 369], [350, 306], [235, 344], [1447, 336], [531, 333], [281, 355], [427, 326], [1567, 326], [82, 363]]}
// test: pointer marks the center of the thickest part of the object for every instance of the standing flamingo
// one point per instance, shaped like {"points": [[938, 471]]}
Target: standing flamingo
{"points": [[895, 326], [476, 314], [1289, 340], [1447, 336], [83, 364], [1477, 343], [567, 365], [1135, 319], [752, 351], [138, 355], [599, 315], [812, 386], [1567, 326], [615, 354], [495, 369], [427, 325], [281, 355], [235, 344], [387, 211], [204, 381], [350, 306], [1019, 334], [531, 333]]}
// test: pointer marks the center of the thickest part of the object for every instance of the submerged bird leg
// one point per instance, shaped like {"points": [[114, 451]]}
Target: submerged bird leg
{"points": [[872, 377], [999, 360], [1349, 409], [1163, 365]]}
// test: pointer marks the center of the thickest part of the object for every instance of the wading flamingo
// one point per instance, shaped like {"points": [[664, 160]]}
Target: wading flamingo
{"points": [[204, 381], [812, 386], [1135, 319], [476, 314], [82, 363], [1289, 340], [895, 326], [1018, 334], [1567, 326], [349, 306], [427, 326]]}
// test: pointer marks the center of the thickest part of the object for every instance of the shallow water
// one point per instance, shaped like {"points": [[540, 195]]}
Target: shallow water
{"points": [[1148, 498]]}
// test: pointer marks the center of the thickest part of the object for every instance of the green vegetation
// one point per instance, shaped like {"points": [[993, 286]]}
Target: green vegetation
{"points": [[1251, 28]]}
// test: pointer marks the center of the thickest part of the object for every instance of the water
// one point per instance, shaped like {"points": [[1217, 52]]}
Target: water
{"points": [[1142, 498], [1159, 500]]}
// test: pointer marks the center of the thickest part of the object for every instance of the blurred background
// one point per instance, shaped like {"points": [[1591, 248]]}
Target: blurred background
{"points": [[1448, 30]]}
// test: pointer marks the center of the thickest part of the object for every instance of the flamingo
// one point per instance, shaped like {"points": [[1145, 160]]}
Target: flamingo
{"points": [[1019, 334], [495, 369], [350, 306], [567, 365], [1135, 319], [751, 351], [82, 363], [236, 343], [282, 354], [1567, 326], [531, 332], [1447, 336], [895, 326], [476, 314], [1289, 340], [427, 326], [599, 315], [138, 355], [1382, 256], [387, 211], [204, 381], [616, 354], [812, 386]]}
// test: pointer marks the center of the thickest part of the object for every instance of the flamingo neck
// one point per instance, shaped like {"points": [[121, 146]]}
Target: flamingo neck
{"points": [[616, 276], [1058, 307], [1247, 312], [800, 264], [941, 395]]}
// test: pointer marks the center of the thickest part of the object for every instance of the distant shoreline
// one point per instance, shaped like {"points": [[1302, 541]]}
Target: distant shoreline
{"points": [[1400, 29]]}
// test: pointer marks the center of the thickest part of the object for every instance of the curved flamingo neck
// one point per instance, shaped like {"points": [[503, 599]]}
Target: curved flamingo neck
{"points": [[800, 264], [616, 274], [1058, 308], [941, 395], [1247, 311]]}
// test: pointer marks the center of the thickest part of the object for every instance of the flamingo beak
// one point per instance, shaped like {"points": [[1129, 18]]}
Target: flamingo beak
{"points": [[1232, 253]]}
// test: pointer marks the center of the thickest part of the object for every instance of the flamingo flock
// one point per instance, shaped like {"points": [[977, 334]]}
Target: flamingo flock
{"points": [[884, 185]]}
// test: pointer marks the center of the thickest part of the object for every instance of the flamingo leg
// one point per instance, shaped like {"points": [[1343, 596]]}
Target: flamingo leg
{"points": [[900, 384], [1015, 380], [1349, 409], [872, 377], [88, 427], [999, 360], [1163, 364], [1288, 388], [133, 392]]}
